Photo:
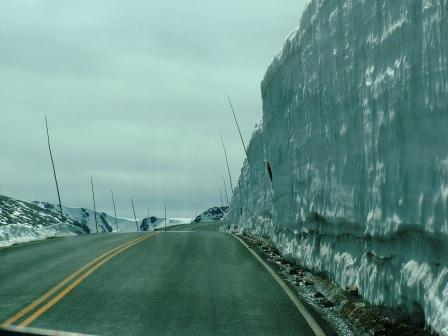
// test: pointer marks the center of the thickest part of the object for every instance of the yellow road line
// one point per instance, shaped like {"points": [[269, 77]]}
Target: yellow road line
{"points": [[56, 288], [44, 297], [299, 305], [73, 285]]}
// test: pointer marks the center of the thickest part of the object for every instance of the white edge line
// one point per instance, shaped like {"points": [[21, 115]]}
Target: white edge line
{"points": [[41, 332], [300, 307]]}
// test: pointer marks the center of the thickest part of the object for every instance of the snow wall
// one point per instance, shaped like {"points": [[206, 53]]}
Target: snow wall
{"points": [[355, 128]]}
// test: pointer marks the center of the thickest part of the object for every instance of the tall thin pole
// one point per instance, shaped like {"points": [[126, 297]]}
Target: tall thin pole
{"points": [[165, 215], [227, 161], [237, 125], [54, 170], [115, 209], [94, 204], [225, 189], [220, 194], [135, 217]]}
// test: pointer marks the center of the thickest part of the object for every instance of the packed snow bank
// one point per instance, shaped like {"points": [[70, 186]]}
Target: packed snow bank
{"points": [[355, 120], [21, 233], [22, 222]]}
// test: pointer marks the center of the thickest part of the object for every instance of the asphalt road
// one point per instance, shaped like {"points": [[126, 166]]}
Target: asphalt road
{"points": [[194, 227], [194, 282]]}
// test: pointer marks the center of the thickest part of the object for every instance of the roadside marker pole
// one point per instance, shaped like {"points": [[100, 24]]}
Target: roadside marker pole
{"points": [[165, 216], [225, 189], [94, 204], [220, 194], [227, 161], [135, 217], [54, 170], [237, 125], [115, 209]]}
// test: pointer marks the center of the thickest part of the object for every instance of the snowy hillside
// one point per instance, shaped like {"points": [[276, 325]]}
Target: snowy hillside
{"points": [[106, 222], [21, 222], [212, 214], [355, 120]]}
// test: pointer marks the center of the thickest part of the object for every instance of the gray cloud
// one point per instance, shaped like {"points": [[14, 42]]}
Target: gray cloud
{"points": [[135, 93]]}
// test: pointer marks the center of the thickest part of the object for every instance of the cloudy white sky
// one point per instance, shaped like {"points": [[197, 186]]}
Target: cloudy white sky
{"points": [[135, 94]]}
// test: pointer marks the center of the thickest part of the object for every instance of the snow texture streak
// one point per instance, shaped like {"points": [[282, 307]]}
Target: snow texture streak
{"points": [[355, 128]]}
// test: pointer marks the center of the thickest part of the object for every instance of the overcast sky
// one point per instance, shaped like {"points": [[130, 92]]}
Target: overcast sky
{"points": [[135, 94]]}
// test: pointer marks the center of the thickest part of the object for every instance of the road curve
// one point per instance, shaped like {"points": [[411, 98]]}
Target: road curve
{"points": [[175, 283]]}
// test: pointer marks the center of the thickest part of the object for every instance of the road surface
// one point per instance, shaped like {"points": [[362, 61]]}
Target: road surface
{"points": [[194, 282]]}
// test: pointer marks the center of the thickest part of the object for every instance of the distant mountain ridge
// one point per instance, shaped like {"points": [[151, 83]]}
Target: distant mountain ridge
{"points": [[24, 221], [106, 222]]}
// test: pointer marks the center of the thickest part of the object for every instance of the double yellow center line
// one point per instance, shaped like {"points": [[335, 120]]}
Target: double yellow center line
{"points": [[54, 295]]}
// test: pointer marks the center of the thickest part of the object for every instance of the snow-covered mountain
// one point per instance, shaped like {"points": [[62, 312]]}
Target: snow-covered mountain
{"points": [[106, 222], [355, 132], [212, 214], [21, 222]]}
